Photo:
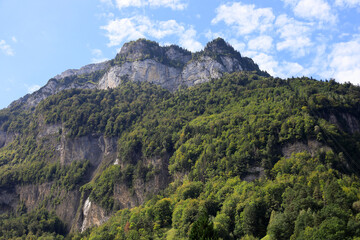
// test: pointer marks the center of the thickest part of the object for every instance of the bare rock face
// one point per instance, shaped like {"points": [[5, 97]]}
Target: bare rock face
{"points": [[93, 215], [200, 71], [125, 197], [93, 148], [346, 122], [67, 201], [176, 54], [147, 70], [6, 138], [311, 147], [171, 67]]}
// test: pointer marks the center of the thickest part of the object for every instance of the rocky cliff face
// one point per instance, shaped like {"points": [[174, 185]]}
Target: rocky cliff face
{"points": [[45, 195], [143, 60], [6, 138], [171, 67]]}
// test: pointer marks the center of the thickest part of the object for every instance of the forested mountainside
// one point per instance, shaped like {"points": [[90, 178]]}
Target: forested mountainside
{"points": [[241, 156]]}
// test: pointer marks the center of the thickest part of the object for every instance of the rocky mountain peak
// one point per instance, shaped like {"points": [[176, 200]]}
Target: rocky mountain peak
{"points": [[220, 46], [142, 49], [139, 49]]}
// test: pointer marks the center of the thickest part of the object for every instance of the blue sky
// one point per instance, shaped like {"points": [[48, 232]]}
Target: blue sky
{"points": [[40, 38]]}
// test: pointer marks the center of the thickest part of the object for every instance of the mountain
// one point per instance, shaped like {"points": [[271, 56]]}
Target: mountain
{"points": [[161, 143], [144, 60]]}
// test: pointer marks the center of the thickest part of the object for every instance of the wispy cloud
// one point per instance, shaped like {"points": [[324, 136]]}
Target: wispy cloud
{"points": [[245, 19], [107, 2], [126, 29], [188, 40], [6, 48], [261, 43], [318, 10], [295, 35], [344, 61], [173, 4], [347, 3]]}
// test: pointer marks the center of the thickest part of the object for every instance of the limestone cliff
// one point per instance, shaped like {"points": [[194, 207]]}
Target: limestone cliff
{"points": [[171, 67]]}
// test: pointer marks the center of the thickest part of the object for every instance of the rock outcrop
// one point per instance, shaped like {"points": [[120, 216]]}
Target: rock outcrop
{"points": [[84, 70], [93, 148], [171, 67], [93, 215], [6, 138]]}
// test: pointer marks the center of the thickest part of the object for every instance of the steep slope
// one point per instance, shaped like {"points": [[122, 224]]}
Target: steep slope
{"points": [[245, 151]]}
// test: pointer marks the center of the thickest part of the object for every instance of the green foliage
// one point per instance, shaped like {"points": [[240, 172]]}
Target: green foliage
{"points": [[211, 137], [202, 229], [40, 224], [292, 205], [103, 187], [162, 212]]}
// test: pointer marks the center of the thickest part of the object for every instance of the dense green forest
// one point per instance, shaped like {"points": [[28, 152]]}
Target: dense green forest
{"points": [[214, 137]]}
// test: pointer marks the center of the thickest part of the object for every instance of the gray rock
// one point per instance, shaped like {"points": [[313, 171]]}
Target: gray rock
{"points": [[84, 70], [171, 67]]}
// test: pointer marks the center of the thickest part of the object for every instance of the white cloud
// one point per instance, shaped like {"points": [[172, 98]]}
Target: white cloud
{"points": [[347, 3], [126, 29], [274, 67], [245, 18], [165, 28], [288, 69], [106, 16], [265, 62], [344, 61], [6, 48], [14, 39], [98, 56], [239, 46], [312, 10], [173, 4], [210, 35], [187, 40], [261, 43], [119, 30], [129, 3], [295, 35], [33, 88], [107, 2]]}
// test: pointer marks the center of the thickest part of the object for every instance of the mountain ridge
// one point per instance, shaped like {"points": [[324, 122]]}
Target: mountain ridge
{"points": [[145, 60]]}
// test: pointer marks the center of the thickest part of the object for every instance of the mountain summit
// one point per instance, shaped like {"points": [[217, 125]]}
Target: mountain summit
{"points": [[147, 61]]}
